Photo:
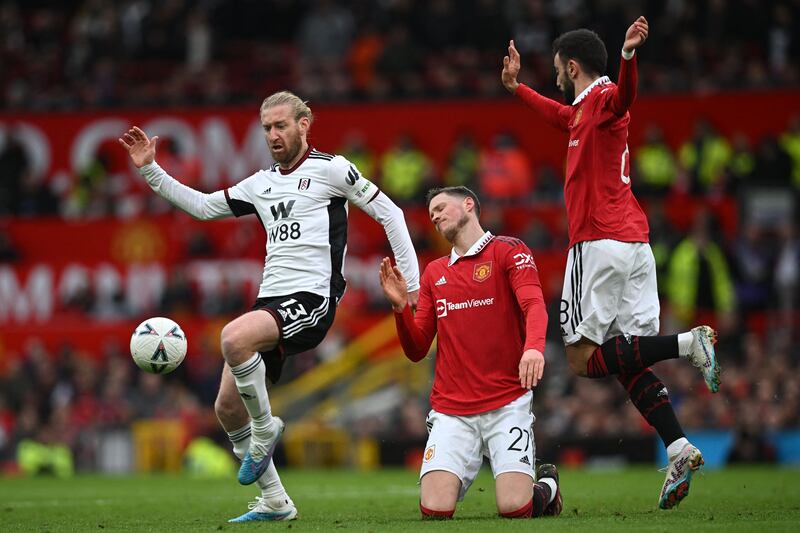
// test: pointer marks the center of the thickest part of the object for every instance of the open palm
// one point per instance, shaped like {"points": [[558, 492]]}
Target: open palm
{"points": [[636, 34], [393, 285], [140, 147]]}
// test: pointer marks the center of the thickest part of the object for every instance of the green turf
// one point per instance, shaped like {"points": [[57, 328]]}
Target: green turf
{"points": [[746, 499]]}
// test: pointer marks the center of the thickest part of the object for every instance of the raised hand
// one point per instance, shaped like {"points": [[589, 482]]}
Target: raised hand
{"points": [[511, 66], [531, 368], [393, 285], [140, 147], [636, 34]]}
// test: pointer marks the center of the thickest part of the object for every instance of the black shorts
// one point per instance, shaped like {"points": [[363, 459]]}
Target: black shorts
{"points": [[303, 321]]}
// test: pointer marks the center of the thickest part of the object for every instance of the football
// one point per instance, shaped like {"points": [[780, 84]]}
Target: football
{"points": [[158, 345]]}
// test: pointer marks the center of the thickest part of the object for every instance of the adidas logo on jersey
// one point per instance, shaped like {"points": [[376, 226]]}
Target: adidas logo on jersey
{"points": [[525, 460], [267, 190], [441, 281]]}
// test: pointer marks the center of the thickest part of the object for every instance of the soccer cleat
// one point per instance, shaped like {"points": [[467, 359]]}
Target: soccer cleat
{"points": [[257, 458], [679, 476], [703, 356], [549, 470], [261, 510]]}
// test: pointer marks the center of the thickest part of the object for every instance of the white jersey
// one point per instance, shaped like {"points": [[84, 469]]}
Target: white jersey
{"points": [[304, 213]]}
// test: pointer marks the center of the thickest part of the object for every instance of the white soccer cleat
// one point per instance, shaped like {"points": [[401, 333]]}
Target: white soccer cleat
{"points": [[704, 357], [263, 510], [679, 476]]}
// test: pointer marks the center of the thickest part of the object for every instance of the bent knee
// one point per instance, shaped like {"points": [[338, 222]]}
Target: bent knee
{"points": [[511, 503], [232, 341], [439, 503], [577, 363]]}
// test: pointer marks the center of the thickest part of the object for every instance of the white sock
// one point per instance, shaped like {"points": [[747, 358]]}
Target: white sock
{"points": [[271, 486], [550, 482], [685, 341], [251, 381], [240, 438], [676, 447], [269, 482]]}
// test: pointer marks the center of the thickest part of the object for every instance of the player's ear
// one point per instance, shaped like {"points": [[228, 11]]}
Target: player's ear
{"points": [[469, 204], [573, 68], [304, 124]]}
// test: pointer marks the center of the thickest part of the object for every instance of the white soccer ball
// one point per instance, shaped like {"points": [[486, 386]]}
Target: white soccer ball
{"points": [[158, 345]]}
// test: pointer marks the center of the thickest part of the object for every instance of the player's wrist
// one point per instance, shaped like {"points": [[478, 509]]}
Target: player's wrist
{"points": [[628, 54], [399, 308], [152, 165]]}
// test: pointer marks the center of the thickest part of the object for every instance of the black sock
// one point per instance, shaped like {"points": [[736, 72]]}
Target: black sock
{"points": [[650, 397], [541, 498], [630, 355]]}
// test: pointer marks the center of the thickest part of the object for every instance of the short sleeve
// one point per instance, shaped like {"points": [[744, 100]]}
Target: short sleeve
{"points": [[239, 197], [348, 182]]}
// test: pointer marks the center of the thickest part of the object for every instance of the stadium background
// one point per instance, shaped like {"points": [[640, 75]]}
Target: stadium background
{"points": [[409, 91]]}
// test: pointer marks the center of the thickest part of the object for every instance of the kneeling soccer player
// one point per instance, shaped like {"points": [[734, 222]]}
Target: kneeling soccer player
{"points": [[485, 303]]}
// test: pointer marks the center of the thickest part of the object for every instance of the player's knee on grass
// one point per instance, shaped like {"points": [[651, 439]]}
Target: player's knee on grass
{"points": [[441, 502], [438, 494], [430, 514], [514, 491]]}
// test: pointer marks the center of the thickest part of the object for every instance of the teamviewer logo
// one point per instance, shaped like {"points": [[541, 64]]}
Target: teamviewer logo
{"points": [[441, 308]]}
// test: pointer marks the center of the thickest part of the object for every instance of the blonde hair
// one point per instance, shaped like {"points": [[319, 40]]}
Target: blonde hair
{"points": [[299, 107]]}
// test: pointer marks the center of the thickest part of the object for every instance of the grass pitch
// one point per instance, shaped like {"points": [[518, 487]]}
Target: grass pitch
{"points": [[741, 499]]}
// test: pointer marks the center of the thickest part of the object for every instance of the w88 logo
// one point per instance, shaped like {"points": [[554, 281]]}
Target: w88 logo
{"points": [[285, 231]]}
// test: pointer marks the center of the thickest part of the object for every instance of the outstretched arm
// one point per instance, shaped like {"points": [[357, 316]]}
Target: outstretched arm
{"points": [[628, 76], [552, 112], [142, 150]]}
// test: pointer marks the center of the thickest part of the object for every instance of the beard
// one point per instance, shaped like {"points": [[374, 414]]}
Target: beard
{"points": [[450, 234], [568, 91], [291, 147]]}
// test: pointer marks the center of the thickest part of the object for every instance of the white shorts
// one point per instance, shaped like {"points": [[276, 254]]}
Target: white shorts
{"points": [[457, 444], [609, 289]]}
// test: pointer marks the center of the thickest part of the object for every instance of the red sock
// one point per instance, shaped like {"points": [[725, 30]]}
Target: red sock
{"points": [[523, 512], [428, 514]]}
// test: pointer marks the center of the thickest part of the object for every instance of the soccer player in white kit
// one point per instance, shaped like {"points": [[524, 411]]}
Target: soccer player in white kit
{"points": [[301, 201]]}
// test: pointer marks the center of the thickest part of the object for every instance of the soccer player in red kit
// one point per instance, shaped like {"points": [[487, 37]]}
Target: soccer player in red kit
{"points": [[609, 307], [484, 302]]}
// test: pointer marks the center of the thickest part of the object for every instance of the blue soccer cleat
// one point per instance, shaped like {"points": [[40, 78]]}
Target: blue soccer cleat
{"points": [[262, 510], [259, 455], [679, 476]]}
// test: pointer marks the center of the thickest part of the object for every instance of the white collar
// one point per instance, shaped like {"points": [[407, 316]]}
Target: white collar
{"points": [[595, 83], [479, 245]]}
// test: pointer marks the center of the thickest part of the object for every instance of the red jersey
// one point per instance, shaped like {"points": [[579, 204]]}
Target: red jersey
{"points": [[597, 190], [487, 309]]}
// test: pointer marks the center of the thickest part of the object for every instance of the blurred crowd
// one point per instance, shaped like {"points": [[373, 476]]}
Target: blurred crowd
{"points": [[741, 275], [735, 263], [96, 53]]}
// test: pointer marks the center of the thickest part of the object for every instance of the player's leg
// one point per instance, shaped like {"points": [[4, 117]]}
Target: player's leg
{"points": [[438, 494], [628, 356], [509, 443], [610, 283], [274, 503], [450, 464], [241, 341]]}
